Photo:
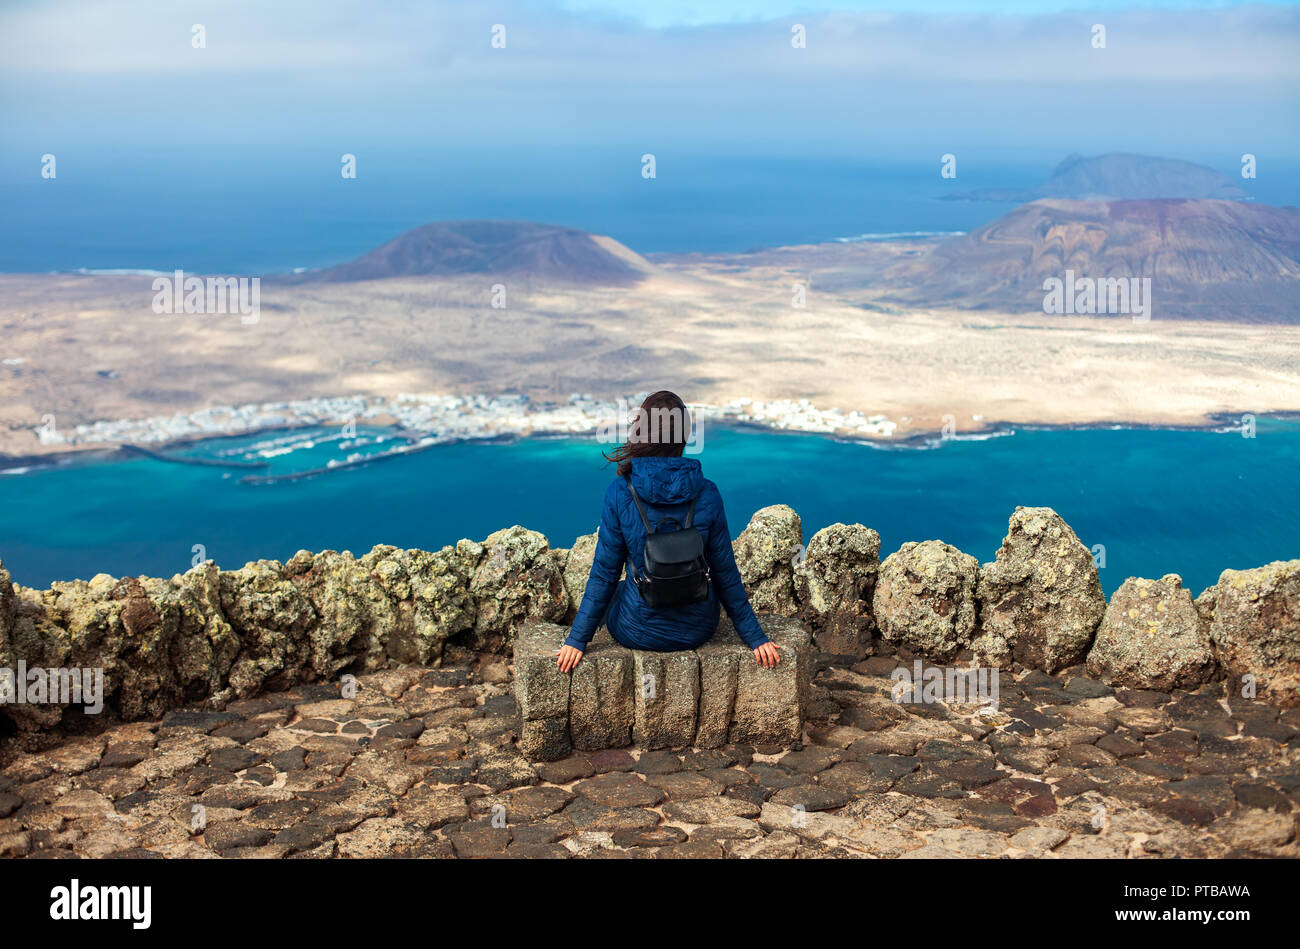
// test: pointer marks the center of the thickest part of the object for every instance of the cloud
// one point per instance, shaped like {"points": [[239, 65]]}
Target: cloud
{"points": [[333, 74], [547, 43]]}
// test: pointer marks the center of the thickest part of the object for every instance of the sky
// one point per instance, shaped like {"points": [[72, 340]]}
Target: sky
{"points": [[697, 12], [1206, 82]]}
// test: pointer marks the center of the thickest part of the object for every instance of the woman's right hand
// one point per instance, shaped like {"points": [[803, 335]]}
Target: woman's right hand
{"points": [[768, 655], [567, 658]]}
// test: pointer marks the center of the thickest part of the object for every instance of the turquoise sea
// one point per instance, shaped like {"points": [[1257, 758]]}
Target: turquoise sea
{"points": [[271, 211], [1158, 501]]}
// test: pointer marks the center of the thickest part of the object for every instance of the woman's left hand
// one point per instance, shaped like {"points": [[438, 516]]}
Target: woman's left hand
{"points": [[768, 655]]}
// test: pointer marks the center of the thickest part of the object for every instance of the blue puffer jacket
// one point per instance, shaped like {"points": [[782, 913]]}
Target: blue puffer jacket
{"points": [[666, 485]]}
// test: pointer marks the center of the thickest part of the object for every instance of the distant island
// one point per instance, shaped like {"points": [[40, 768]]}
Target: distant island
{"points": [[502, 249], [1207, 260], [1116, 176], [881, 339]]}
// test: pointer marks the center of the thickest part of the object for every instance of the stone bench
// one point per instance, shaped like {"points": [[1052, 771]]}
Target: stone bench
{"points": [[616, 696]]}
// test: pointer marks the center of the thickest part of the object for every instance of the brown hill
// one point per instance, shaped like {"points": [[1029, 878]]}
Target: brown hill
{"points": [[541, 252], [1118, 176], [1214, 260]]}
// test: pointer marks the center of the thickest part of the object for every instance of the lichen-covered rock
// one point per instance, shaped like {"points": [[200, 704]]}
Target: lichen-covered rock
{"points": [[333, 583], [125, 627], [577, 568], [416, 600], [1205, 604], [925, 599], [36, 638], [206, 645], [73, 619], [144, 674], [764, 553], [6, 614], [129, 631], [384, 587], [1040, 601], [514, 579], [834, 585], [443, 605], [271, 616], [1256, 628], [216, 634], [1152, 637]]}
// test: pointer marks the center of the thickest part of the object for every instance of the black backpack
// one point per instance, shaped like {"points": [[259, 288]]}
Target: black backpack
{"points": [[676, 570]]}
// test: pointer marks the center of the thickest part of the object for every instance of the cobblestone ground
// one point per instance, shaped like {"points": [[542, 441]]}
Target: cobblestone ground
{"points": [[423, 763]]}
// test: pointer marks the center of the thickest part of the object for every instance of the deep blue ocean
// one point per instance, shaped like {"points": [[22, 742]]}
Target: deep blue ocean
{"points": [[1186, 502], [259, 211]]}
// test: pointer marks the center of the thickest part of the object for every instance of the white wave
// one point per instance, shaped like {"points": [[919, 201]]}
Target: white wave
{"points": [[896, 236], [927, 442], [980, 436], [122, 272]]}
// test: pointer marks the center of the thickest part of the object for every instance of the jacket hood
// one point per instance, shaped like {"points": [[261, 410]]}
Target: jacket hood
{"points": [[667, 480]]}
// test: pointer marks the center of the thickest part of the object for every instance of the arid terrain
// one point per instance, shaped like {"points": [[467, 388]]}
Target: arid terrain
{"points": [[713, 327]]}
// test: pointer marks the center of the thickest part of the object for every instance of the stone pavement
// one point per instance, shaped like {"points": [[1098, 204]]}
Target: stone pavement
{"points": [[425, 762]]}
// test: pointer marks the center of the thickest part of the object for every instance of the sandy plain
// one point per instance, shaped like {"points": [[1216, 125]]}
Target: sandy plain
{"points": [[712, 327]]}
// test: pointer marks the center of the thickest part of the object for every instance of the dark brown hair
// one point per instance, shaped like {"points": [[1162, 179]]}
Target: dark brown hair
{"points": [[662, 427]]}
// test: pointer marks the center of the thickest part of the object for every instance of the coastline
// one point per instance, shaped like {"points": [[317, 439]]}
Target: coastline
{"points": [[714, 329], [490, 427]]}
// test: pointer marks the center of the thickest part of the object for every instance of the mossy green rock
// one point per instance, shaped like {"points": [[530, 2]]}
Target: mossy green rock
{"points": [[925, 599], [764, 552], [514, 578], [1256, 629], [577, 563], [1040, 600], [835, 584], [1152, 637]]}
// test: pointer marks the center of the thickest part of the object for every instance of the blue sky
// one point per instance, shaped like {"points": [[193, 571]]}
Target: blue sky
{"points": [[718, 76], [667, 13]]}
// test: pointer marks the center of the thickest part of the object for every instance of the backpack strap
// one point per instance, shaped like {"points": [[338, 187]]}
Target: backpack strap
{"points": [[640, 508]]}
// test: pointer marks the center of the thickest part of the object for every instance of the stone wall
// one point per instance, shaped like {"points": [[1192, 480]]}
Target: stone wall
{"points": [[223, 634], [220, 634]]}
